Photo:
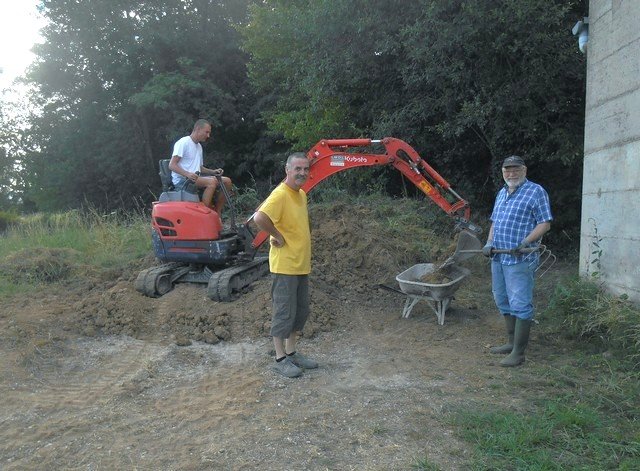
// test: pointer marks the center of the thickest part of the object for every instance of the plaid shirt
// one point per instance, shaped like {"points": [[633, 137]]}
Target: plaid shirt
{"points": [[515, 215]]}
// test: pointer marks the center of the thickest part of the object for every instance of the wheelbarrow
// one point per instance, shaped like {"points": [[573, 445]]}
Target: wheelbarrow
{"points": [[438, 295]]}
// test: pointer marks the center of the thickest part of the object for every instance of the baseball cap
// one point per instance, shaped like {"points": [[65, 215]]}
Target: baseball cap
{"points": [[513, 161]]}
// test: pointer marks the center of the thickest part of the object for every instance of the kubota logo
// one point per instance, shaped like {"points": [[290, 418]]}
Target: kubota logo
{"points": [[355, 160], [340, 160]]}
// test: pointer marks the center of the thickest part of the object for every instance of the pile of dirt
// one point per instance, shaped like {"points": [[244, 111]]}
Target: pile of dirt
{"points": [[352, 254], [40, 264]]}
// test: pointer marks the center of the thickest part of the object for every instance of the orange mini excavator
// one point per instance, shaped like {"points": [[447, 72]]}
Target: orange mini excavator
{"points": [[193, 245]]}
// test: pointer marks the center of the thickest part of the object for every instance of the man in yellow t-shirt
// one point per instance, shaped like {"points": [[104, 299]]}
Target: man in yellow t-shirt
{"points": [[284, 216]]}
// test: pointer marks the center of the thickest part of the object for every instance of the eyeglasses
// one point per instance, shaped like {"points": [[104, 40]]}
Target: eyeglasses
{"points": [[512, 169]]}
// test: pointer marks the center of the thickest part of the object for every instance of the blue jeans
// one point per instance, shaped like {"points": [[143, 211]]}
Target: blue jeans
{"points": [[512, 287]]}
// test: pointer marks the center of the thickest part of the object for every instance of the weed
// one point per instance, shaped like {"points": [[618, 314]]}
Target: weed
{"points": [[7, 219], [38, 265], [582, 415], [595, 252], [580, 309], [246, 200], [424, 464]]}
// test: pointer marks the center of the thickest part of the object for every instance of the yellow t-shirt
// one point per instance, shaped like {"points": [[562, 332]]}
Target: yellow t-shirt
{"points": [[287, 209]]}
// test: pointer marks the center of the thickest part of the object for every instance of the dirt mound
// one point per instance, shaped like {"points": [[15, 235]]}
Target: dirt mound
{"points": [[354, 250], [39, 265]]}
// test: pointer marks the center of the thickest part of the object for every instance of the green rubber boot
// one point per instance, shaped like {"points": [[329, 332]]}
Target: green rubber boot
{"points": [[520, 341], [510, 322]]}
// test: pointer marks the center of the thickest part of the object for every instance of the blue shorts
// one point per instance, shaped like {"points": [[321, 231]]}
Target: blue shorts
{"points": [[290, 302], [184, 184], [512, 287]]}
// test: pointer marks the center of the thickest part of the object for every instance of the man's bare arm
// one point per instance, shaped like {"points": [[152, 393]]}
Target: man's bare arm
{"points": [[264, 223]]}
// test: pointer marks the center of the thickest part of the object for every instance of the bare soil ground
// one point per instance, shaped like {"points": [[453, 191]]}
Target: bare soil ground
{"points": [[95, 376]]}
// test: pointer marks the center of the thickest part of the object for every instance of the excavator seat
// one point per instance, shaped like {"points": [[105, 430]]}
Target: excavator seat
{"points": [[187, 191]]}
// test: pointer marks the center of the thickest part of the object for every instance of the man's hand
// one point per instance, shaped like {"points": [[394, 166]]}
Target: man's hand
{"points": [[277, 241], [487, 249]]}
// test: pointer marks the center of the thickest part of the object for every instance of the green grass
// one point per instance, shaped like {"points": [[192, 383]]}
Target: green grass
{"points": [[554, 434], [49, 248], [424, 464], [580, 409]]}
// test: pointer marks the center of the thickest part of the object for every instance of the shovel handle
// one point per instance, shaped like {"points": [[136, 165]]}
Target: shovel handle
{"points": [[525, 250]]}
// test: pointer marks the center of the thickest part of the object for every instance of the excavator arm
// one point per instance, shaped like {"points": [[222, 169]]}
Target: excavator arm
{"points": [[331, 156]]}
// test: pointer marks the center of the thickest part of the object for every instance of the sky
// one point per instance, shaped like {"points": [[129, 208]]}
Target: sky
{"points": [[19, 26]]}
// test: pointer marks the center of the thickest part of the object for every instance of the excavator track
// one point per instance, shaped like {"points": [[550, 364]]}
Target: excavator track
{"points": [[226, 284], [158, 281]]}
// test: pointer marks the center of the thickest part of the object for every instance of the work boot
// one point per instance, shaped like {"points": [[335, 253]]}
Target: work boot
{"points": [[510, 322], [520, 341]]}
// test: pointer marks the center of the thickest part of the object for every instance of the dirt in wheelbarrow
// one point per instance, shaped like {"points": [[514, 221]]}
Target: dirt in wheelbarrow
{"points": [[96, 376]]}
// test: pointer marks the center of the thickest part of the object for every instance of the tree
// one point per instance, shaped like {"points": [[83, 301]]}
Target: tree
{"points": [[465, 81], [118, 81], [12, 123]]}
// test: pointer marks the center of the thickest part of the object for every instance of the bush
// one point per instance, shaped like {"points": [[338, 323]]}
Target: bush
{"points": [[7, 220], [587, 312], [246, 200]]}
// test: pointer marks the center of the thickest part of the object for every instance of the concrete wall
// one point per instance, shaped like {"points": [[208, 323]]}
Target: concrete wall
{"points": [[611, 184]]}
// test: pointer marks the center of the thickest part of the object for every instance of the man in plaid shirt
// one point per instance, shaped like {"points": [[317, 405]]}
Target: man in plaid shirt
{"points": [[521, 216]]}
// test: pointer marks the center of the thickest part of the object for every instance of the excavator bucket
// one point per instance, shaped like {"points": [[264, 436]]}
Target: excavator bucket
{"points": [[468, 246]]}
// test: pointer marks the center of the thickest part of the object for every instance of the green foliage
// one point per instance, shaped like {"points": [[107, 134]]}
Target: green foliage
{"points": [[12, 125], [318, 62], [361, 182], [580, 309], [305, 126], [246, 200], [7, 219], [464, 82], [118, 82]]}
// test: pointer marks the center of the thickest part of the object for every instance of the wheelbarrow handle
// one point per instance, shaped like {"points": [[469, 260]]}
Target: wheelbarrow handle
{"points": [[389, 288]]}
